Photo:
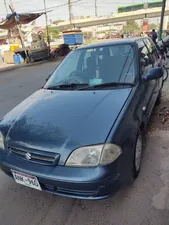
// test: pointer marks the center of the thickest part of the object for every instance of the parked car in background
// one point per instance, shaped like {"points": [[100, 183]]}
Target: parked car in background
{"points": [[81, 135]]}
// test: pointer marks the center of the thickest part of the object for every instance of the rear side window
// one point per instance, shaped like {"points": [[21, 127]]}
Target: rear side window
{"points": [[155, 51], [144, 57], [152, 49]]}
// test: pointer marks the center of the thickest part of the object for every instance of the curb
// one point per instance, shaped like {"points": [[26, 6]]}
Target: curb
{"points": [[27, 65]]}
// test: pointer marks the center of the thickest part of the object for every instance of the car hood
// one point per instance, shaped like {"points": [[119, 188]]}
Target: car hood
{"points": [[57, 120]]}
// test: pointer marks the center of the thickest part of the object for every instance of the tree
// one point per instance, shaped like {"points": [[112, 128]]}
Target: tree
{"points": [[152, 26], [33, 23], [130, 27], [53, 33], [167, 26]]}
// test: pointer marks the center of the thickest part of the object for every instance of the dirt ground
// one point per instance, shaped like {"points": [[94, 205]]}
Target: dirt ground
{"points": [[160, 116]]}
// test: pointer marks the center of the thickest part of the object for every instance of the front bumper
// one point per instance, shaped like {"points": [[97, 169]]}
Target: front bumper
{"points": [[82, 183]]}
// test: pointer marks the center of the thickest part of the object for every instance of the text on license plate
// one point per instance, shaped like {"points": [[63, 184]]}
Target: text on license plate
{"points": [[26, 180]]}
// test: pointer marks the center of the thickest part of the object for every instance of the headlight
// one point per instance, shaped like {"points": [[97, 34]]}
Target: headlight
{"points": [[92, 156], [2, 142]]}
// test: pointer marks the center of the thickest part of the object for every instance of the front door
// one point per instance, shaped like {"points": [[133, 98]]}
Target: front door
{"points": [[156, 62], [146, 87]]}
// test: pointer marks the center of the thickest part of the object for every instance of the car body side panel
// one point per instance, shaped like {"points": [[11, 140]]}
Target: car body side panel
{"points": [[125, 130], [135, 114], [123, 133]]}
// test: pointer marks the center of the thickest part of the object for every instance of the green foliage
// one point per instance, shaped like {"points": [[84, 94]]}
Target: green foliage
{"points": [[53, 33], [131, 26], [33, 22], [152, 26], [167, 26]]}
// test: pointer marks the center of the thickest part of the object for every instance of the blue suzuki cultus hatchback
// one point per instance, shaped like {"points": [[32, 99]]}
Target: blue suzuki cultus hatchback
{"points": [[81, 135]]}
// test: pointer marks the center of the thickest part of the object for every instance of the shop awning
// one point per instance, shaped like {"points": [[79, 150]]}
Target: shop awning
{"points": [[10, 21]]}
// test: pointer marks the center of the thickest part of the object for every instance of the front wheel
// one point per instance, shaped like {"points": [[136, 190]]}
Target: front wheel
{"points": [[138, 154]]}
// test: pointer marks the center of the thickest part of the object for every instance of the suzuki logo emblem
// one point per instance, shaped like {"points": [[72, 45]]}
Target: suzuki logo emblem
{"points": [[28, 156]]}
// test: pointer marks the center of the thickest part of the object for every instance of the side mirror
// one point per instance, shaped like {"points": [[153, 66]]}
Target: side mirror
{"points": [[153, 74], [48, 77]]}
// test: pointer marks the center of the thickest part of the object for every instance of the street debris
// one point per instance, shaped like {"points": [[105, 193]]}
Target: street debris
{"points": [[164, 115]]}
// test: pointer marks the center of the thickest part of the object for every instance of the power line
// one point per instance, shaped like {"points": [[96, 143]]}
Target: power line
{"points": [[6, 6], [114, 2], [96, 4], [46, 19], [20, 1], [56, 6], [11, 4], [85, 3]]}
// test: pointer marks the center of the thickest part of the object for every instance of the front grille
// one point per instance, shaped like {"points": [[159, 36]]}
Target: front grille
{"points": [[72, 192], [35, 156], [69, 192], [48, 188]]}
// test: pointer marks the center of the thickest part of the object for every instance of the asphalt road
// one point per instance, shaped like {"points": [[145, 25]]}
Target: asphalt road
{"points": [[145, 202]]}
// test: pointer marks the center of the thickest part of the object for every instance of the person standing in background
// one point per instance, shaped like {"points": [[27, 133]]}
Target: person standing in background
{"points": [[154, 36]]}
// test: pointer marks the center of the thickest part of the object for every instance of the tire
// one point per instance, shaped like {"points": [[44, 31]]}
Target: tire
{"points": [[165, 75], [137, 154]]}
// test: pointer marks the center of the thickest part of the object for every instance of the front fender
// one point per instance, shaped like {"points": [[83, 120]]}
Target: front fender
{"points": [[125, 130]]}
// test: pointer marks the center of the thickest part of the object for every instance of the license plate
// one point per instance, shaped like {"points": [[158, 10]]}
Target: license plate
{"points": [[26, 180]]}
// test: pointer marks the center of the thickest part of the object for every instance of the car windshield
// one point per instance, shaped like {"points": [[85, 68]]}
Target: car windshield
{"points": [[95, 66]]}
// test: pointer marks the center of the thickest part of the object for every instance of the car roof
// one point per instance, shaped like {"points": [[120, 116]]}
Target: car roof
{"points": [[113, 42]]}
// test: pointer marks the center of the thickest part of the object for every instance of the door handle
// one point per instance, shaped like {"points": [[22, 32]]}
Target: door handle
{"points": [[144, 108]]}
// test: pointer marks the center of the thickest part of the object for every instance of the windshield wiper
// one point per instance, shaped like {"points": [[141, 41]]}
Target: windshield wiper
{"points": [[64, 86], [111, 84]]}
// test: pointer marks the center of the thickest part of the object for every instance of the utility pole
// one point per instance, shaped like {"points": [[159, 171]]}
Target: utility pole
{"points": [[70, 11], [46, 18], [96, 14], [19, 30], [12, 7], [162, 20], [6, 7]]}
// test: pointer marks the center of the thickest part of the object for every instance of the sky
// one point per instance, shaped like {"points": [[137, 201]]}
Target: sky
{"points": [[79, 7]]}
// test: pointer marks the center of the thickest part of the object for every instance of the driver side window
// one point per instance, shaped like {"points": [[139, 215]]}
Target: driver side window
{"points": [[68, 66], [73, 64], [145, 61]]}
